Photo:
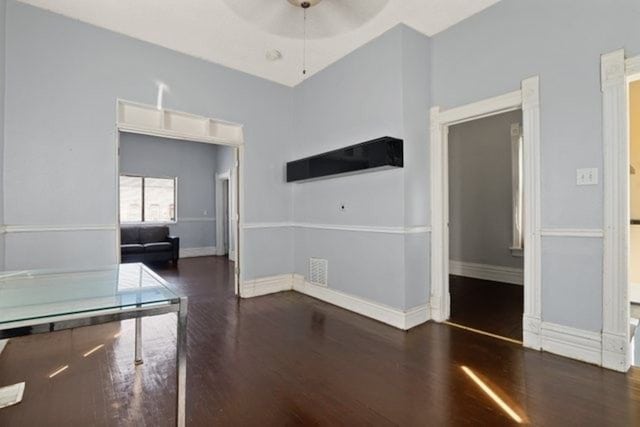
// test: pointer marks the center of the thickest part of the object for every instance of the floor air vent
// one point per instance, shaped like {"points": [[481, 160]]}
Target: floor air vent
{"points": [[318, 271]]}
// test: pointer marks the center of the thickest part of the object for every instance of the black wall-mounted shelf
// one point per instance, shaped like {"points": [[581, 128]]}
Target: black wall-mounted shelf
{"points": [[381, 153]]}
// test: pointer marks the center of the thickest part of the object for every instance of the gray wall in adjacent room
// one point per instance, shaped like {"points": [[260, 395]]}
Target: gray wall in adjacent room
{"points": [[480, 191], [194, 164], [489, 54], [225, 160], [63, 79]]}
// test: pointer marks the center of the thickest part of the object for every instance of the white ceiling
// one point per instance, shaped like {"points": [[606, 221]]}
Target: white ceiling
{"points": [[236, 34]]}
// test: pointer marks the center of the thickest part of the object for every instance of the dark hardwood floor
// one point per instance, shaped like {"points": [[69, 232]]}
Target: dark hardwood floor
{"points": [[487, 306], [287, 359]]}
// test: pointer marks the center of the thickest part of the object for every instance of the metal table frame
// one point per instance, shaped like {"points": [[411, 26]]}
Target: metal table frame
{"points": [[176, 305]]}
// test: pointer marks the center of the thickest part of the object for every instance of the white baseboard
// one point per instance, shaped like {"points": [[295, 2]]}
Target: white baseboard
{"points": [[266, 285], [401, 319], [195, 252], [571, 342], [494, 273], [391, 316]]}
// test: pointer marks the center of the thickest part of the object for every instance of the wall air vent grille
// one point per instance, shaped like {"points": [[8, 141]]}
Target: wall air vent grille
{"points": [[318, 271]]}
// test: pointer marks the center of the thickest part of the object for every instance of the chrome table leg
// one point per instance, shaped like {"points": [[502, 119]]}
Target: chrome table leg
{"points": [[138, 359], [181, 364]]}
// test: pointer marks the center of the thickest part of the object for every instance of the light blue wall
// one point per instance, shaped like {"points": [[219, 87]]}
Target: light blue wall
{"points": [[194, 165], [561, 41], [3, 28], [416, 101], [379, 90], [63, 79]]}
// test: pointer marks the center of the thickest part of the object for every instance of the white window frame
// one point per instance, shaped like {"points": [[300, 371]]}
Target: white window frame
{"points": [[517, 164], [175, 198]]}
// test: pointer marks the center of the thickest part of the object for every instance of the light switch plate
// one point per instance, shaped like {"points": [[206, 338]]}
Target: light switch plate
{"points": [[588, 176]]}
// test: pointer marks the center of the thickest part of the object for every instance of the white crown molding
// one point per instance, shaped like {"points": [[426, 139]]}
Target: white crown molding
{"points": [[196, 252], [338, 227], [495, 273], [572, 232], [58, 228]]}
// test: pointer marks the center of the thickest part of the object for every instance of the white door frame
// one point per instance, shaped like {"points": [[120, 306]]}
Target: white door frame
{"points": [[232, 215], [527, 99], [616, 73], [144, 119]]}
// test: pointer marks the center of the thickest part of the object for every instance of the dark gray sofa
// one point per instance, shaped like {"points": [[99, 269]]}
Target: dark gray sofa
{"points": [[148, 243]]}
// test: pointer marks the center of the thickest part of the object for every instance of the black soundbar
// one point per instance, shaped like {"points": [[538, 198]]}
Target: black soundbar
{"points": [[385, 152]]}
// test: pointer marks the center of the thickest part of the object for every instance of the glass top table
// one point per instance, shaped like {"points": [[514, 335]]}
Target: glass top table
{"points": [[40, 301], [36, 294]]}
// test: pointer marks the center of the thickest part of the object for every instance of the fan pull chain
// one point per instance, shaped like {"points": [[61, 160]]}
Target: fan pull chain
{"points": [[304, 42]]}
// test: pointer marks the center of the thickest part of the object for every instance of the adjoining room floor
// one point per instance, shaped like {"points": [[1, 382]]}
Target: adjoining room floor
{"points": [[287, 359], [487, 306]]}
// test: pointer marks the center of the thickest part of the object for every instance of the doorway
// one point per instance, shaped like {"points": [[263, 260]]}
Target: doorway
{"points": [[146, 121], [486, 260], [526, 99]]}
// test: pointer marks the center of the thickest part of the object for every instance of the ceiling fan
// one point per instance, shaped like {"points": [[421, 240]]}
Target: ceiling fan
{"points": [[294, 19], [325, 18]]}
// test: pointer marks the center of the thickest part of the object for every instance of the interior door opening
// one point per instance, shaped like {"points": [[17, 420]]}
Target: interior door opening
{"points": [[486, 223], [170, 200]]}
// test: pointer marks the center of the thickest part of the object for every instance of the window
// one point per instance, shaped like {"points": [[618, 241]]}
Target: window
{"points": [[147, 199], [516, 185]]}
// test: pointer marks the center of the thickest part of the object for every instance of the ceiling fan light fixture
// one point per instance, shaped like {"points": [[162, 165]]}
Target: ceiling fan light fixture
{"points": [[305, 4]]}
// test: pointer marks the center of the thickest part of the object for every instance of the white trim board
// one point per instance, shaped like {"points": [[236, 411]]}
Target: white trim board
{"points": [[338, 227], [616, 71], [195, 219], [266, 285], [196, 252], [57, 228], [572, 232], [401, 319], [495, 273], [570, 342], [528, 99]]}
